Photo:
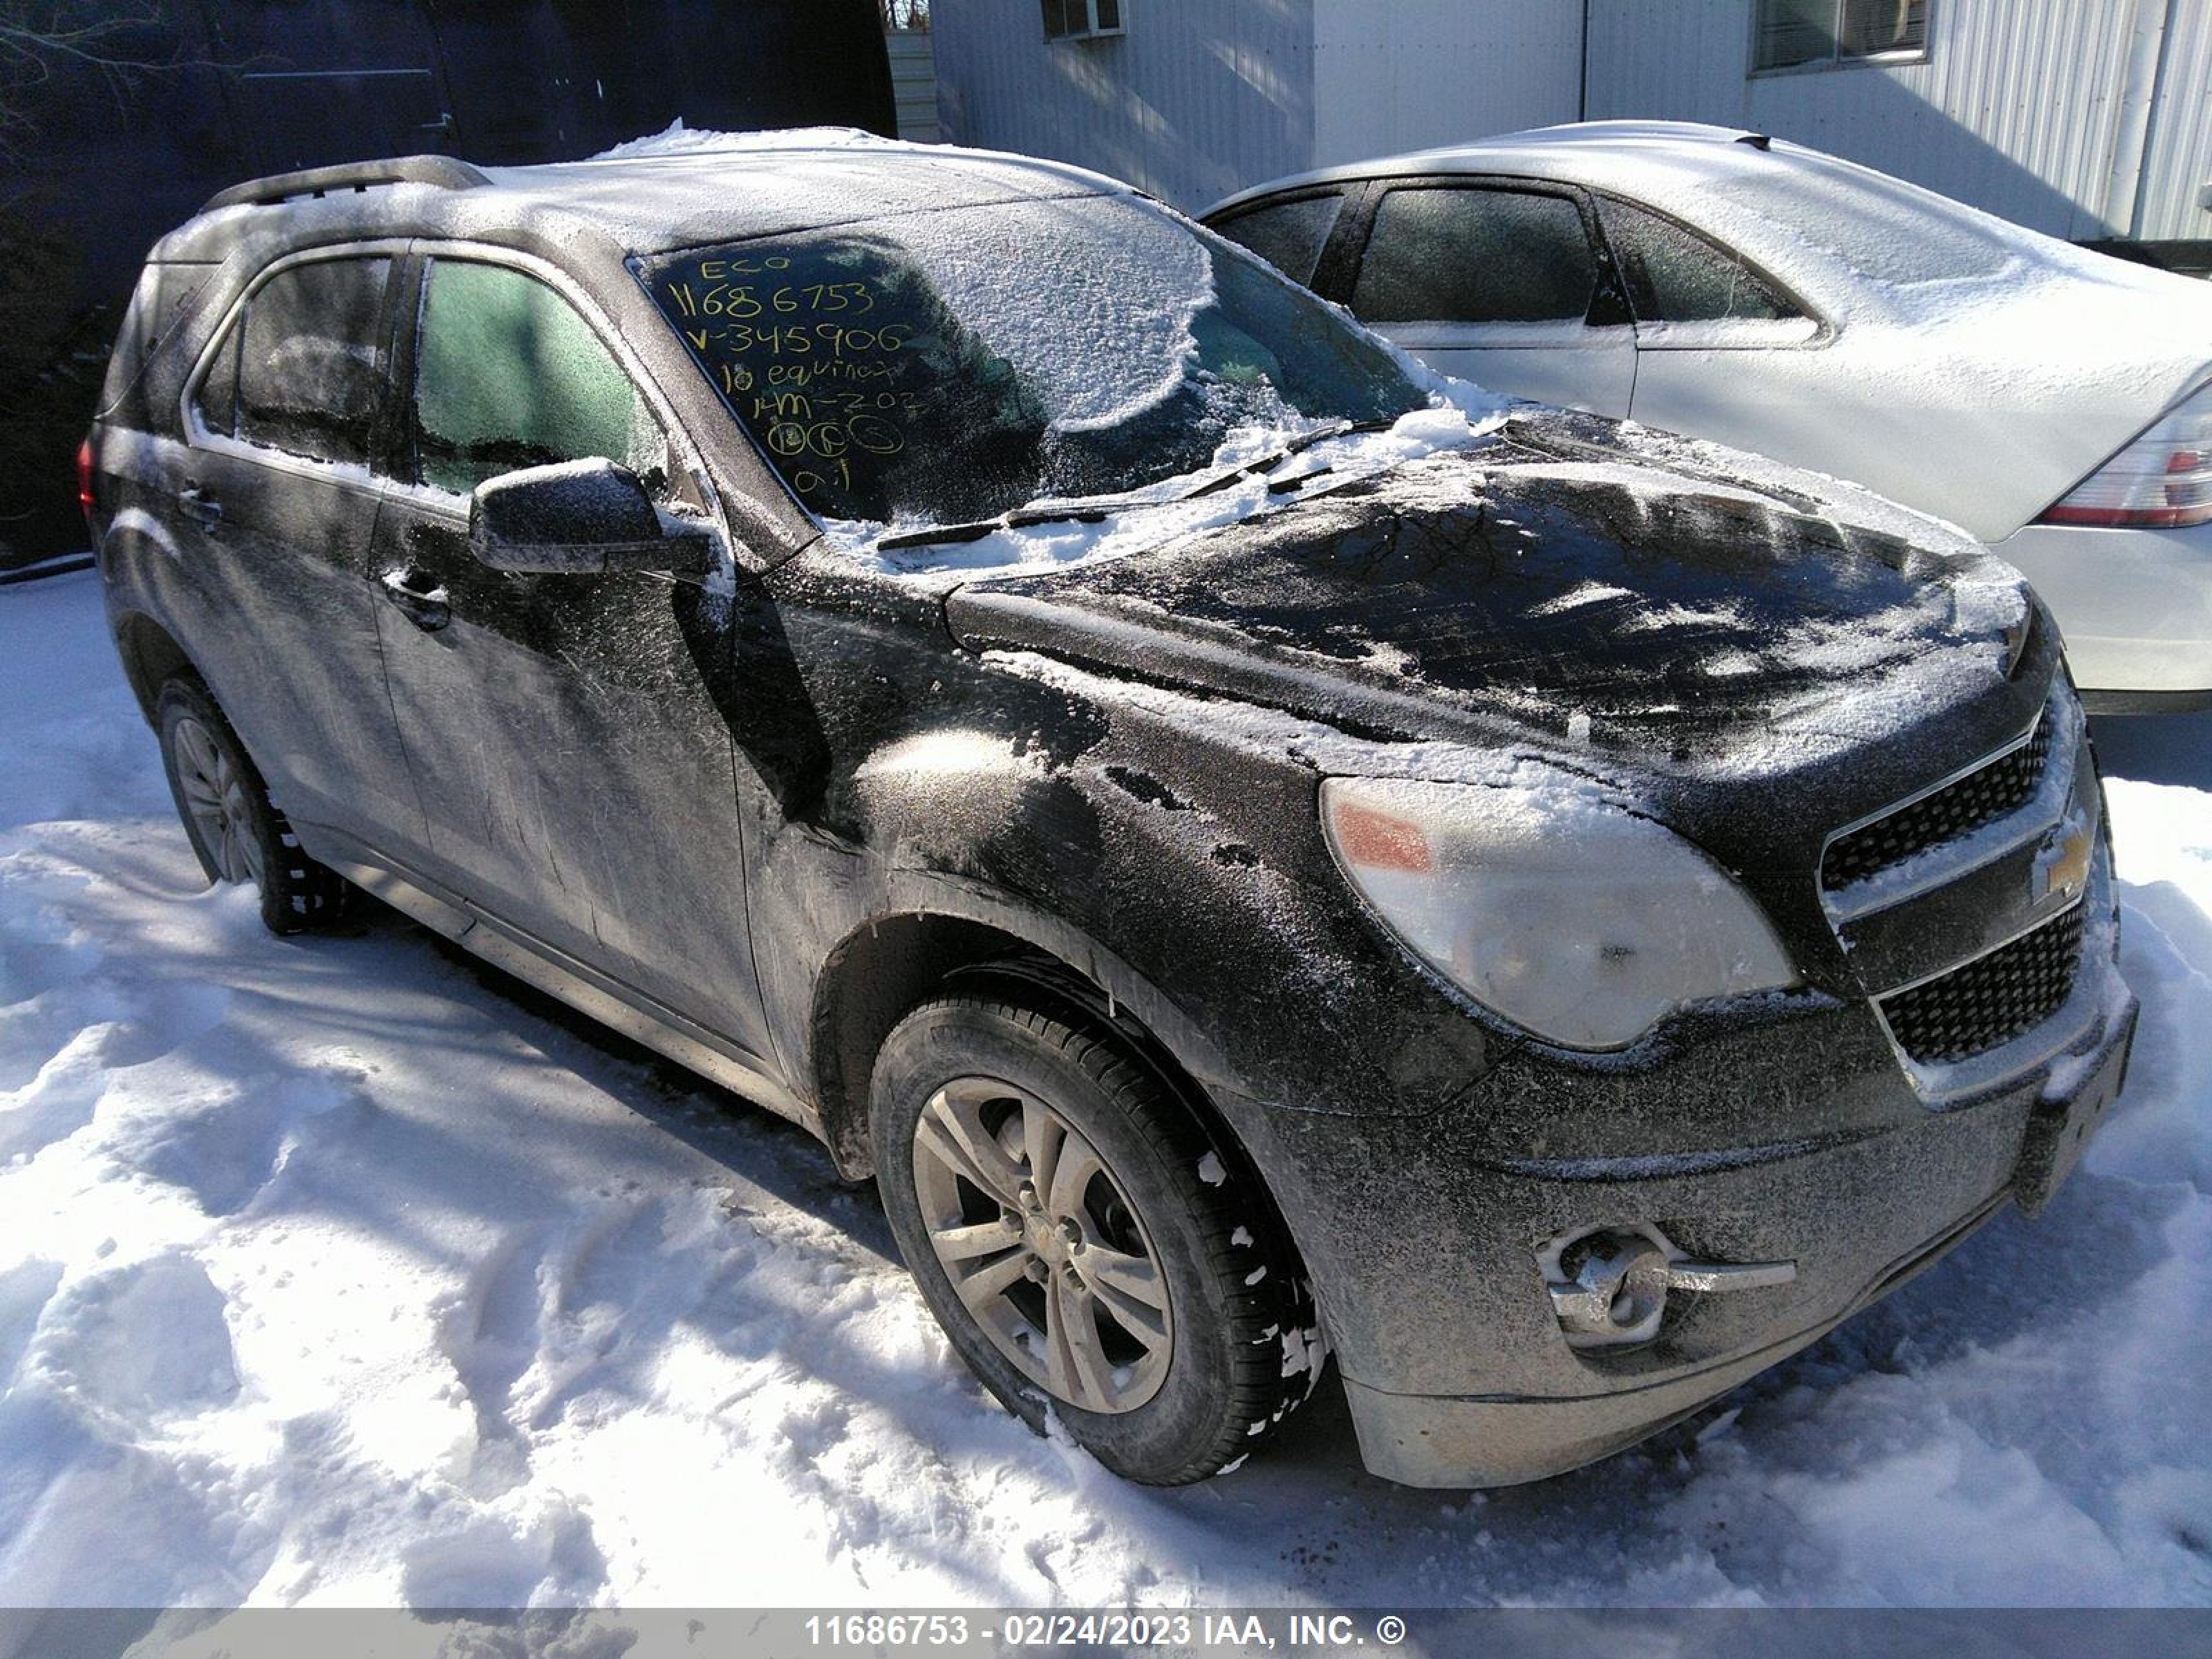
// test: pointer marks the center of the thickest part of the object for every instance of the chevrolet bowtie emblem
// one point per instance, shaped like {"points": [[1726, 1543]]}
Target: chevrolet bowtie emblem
{"points": [[2067, 870]]}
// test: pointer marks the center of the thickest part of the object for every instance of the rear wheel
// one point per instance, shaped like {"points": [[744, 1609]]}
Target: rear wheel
{"points": [[236, 831], [1083, 1241]]}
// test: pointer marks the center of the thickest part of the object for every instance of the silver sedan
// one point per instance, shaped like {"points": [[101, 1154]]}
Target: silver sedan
{"points": [[2055, 403]]}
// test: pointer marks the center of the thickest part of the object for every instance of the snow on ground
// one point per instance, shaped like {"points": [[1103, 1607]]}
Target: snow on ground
{"points": [[342, 1270]]}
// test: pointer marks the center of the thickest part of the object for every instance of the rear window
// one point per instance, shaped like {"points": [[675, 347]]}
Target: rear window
{"points": [[156, 305], [1873, 225]]}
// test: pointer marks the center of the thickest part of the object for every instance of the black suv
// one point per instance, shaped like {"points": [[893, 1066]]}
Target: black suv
{"points": [[1259, 855]]}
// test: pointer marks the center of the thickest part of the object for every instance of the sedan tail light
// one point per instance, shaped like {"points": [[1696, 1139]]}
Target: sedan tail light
{"points": [[84, 501], [2164, 478]]}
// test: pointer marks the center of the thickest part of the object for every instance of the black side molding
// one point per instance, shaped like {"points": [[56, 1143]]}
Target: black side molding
{"points": [[442, 171]]}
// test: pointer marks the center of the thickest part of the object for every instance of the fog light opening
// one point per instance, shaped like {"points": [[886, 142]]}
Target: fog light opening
{"points": [[1609, 1286]]}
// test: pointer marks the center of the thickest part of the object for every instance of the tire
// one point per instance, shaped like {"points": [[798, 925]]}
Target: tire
{"points": [[1163, 1398], [236, 832]]}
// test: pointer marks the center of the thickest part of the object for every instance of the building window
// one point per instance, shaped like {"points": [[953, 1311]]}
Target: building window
{"points": [[1823, 33], [1081, 20]]}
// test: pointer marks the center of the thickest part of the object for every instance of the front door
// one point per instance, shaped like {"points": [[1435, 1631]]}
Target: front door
{"points": [[1507, 288], [277, 505], [564, 731]]}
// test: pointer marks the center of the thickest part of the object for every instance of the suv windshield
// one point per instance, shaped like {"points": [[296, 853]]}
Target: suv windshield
{"points": [[948, 366]]}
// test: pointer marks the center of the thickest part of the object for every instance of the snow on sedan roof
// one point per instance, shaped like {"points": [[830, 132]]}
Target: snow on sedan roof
{"points": [[682, 188]]}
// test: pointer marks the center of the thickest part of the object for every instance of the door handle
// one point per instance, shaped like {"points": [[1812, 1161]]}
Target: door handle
{"points": [[204, 510], [420, 597]]}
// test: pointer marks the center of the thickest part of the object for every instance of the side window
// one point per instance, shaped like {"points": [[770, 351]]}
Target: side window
{"points": [[217, 401], [303, 371], [1288, 235], [508, 375], [1459, 255], [1676, 275]]}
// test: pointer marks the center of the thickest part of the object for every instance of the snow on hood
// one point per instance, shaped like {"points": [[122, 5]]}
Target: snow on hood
{"points": [[1597, 607]]}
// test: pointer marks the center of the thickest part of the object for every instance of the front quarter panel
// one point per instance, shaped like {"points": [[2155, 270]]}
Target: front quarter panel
{"points": [[1148, 838]]}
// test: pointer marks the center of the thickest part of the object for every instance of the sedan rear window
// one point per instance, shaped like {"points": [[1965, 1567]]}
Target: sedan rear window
{"points": [[949, 366]]}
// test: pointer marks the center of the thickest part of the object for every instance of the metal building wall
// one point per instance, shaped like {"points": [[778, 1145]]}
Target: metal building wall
{"points": [[1198, 98], [914, 84], [2178, 159], [1413, 74], [2023, 108]]}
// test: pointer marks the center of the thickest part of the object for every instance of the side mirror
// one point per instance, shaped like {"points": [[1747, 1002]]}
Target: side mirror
{"points": [[578, 519]]}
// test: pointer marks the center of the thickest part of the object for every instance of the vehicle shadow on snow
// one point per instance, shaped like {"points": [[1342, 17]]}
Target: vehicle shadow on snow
{"points": [[710, 1119], [2170, 748]]}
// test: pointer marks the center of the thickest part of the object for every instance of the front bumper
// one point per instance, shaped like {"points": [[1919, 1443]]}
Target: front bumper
{"points": [[1474, 1440], [1795, 1128], [1454, 1365], [1484, 1440]]}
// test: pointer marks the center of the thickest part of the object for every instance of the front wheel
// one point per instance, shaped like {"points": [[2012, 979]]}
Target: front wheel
{"points": [[236, 831], [1082, 1241]]}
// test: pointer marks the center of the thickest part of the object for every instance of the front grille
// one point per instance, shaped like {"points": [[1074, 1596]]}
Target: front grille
{"points": [[1959, 808], [1992, 1000]]}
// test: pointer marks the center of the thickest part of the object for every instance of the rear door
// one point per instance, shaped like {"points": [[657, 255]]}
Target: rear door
{"points": [[1502, 283], [1708, 324], [565, 733], [285, 417]]}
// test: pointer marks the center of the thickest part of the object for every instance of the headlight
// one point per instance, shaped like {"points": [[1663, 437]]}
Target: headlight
{"points": [[1566, 915]]}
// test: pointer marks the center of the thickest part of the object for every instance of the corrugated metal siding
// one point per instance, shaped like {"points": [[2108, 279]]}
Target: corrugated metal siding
{"points": [[1413, 74], [1200, 98], [914, 84], [2017, 110], [2177, 160]]}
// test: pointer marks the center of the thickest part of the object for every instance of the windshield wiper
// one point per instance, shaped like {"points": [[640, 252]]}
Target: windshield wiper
{"points": [[1092, 509], [1019, 518], [1275, 458]]}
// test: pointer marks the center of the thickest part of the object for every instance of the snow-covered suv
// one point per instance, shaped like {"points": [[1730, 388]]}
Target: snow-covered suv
{"points": [[1260, 852]]}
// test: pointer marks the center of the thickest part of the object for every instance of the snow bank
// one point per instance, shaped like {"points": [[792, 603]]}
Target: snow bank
{"points": [[335, 1271]]}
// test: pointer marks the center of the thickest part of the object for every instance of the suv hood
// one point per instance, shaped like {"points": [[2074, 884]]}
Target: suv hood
{"points": [[1595, 606]]}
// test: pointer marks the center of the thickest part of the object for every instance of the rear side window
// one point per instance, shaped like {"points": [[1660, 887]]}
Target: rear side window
{"points": [[1448, 255], [1288, 235], [303, 370], [159, 295], [510, 375], [1675, 275]]}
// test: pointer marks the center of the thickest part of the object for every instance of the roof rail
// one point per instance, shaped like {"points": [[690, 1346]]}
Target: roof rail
{"points": [[441, 171]]}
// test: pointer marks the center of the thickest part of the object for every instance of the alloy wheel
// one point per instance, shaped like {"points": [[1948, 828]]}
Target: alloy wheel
{"points": [[1041, 1245], [216, 795]]}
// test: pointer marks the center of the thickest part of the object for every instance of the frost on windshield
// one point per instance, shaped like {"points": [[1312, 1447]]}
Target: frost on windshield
{"points": [[945, 366]]}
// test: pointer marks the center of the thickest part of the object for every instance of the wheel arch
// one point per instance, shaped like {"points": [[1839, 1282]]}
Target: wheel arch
{"points": [[150, 655], [886, 966]]}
